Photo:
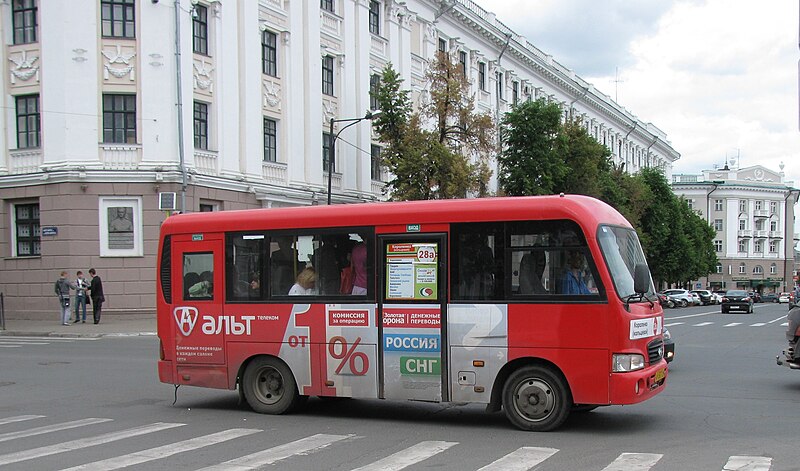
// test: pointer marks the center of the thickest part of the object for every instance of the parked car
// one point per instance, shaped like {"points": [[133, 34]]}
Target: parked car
{"points": [[665, 300], [669, 346], [706, 297], [785, 298], [681, 296], [737, 299], [769, 298]]}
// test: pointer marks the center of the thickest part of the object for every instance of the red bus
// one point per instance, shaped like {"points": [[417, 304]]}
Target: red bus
{"points": [[537, 305]]}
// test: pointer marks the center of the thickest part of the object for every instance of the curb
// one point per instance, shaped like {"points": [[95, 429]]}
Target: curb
{"points": [[7, 333]]}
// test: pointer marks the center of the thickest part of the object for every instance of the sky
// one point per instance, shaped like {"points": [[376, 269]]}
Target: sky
{"points": [[719, 77]]}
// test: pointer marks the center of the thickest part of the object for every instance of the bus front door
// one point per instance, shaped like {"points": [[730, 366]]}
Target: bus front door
{"points": [[412, 319]]}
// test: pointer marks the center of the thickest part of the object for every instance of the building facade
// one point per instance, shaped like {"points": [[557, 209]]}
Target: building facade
{"points": [[111, 106], [752, 211]]}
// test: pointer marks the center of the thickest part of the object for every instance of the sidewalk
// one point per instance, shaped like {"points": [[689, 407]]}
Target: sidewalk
{"points": [[109, 326]]}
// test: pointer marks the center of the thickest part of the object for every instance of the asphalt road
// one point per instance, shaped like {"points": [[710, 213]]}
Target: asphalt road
{"points": [[725, 398]]}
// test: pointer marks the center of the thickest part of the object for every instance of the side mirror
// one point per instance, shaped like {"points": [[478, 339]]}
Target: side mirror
{"points": [[641, 279]]}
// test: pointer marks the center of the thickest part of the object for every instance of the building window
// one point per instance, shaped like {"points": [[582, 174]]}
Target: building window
{"points": [[482, 75], [742, 268], [375, 160], [719, 268], [462, 59], [717, 205], [326, 5], [327, 75], [773, 247], [118, 18], [119, 119], [718, 246], [773, 269], [200, 125], [718, 225], [759, 205], [375, 18], [269, 53], [773, 207], [200, 30], [23, 19], [514, 92], [207, 207], [773, 226], [758, 270], [760, 225], [270, 140], [442, 45], [743, 206], [26, 230], [328, 164], [743, 246], [28, 124], [499, 77], [374, 84], [690, 202], [758, 246], [742, 224]]}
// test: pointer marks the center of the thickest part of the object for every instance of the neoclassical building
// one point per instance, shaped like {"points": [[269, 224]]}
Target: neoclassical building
{"points": [[112, 106], [752, 211]]}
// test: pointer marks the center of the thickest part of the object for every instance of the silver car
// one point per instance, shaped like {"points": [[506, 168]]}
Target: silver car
{"points": [[681, 296]]}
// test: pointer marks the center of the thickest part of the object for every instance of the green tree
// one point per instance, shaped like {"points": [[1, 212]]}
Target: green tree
{"points": [[530, 163], [587, 161], [440, 152]]}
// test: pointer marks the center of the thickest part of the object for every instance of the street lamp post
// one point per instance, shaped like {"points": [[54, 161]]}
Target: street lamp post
{"points": [[332, 151]]}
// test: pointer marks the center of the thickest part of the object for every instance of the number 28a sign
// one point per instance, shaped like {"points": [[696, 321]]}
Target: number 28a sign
{"points": [[426, 254]]}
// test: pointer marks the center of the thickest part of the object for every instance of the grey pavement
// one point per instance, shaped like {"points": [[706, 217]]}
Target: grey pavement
{"points": [[113, 325]]}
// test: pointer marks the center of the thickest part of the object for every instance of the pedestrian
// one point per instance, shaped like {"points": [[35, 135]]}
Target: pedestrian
{"points": [[81, 297], [96, 293], [62, 288]]}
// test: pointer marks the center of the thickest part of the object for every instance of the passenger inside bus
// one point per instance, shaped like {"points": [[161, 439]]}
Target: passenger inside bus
{"points": [[283, 262], [306, 283], [573, 280], [203, 288], [476, 270], [531, 268]]}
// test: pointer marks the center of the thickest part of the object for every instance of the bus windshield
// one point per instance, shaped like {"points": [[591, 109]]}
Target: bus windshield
{"points": [[622, 252]]}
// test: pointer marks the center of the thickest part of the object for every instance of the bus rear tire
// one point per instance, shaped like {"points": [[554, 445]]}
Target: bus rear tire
{"points": [[536, 399], [269, 386]]}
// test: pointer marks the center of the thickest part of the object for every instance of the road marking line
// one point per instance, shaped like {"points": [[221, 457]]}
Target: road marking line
{"points": [[778, 319], [51, 428], [164, 451], [51, 339], [673, 323], [748, 463], [702, 324], [20, 418], [280, 452], [10, 346], [633, 462], [19, 344], [732, 324], [72, 445], [691, 315], [785, 324], [522, 459], [758, 324], [411, 455]]}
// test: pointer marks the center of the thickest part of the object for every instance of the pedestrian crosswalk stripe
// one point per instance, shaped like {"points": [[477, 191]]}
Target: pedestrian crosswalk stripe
{"points": [[732, 324], [702, 324], [10, 346], [673, 323], [20, 338], [522, 459], [758, 324], [785, 324], [19, 418], [164, 451], [748, 463], [51, 428], [280, 452], [776, 320], [411, 455], [72, 445], [633, 462]]}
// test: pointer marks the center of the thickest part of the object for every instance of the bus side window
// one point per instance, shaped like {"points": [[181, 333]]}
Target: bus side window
{"points": [[477, 262], [198, 276], [283, 264], [246, 267]]}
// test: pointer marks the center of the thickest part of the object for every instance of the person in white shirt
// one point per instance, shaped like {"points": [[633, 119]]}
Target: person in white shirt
{"points": [[81, 297], [306, 283]]}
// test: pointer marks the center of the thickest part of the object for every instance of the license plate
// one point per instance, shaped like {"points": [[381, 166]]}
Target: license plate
{"points": [[660, 375]]}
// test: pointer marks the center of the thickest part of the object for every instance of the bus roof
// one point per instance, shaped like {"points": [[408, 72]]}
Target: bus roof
{"points": [[587, 211]]}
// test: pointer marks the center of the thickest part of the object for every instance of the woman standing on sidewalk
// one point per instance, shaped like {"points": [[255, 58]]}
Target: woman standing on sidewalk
{"points": [[62, 291]]}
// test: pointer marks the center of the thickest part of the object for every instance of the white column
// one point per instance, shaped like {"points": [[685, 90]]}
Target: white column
{"points": [[71, 101], [226, 106], [251, 130]]}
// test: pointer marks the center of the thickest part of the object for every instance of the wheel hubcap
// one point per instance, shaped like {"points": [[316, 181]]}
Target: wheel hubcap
{"points": [[534, 399], [269, 386]]}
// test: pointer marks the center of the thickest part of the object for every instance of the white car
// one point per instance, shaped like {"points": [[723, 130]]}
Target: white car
{"points": [[681, 296], [785, 298]]}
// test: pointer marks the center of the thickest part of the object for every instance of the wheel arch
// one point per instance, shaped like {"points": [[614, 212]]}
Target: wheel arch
{"points": [[496, 398]]}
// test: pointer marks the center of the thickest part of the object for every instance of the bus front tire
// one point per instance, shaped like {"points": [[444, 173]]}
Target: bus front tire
{"points": [[269, 386], [536, 399]]}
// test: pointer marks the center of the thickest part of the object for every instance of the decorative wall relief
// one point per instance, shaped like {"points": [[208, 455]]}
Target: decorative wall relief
{"points": [[202, 76], [118, 63], [24, 66]]}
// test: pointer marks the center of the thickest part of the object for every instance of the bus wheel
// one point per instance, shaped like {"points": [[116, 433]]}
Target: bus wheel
{"points": [[269, 386], [536, 399]]}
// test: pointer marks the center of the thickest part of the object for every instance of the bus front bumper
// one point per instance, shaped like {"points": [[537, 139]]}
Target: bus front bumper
{"points": [[637, 386]]}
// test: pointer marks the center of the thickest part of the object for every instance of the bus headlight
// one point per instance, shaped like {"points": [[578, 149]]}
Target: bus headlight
{"points": [[622, 362]]}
